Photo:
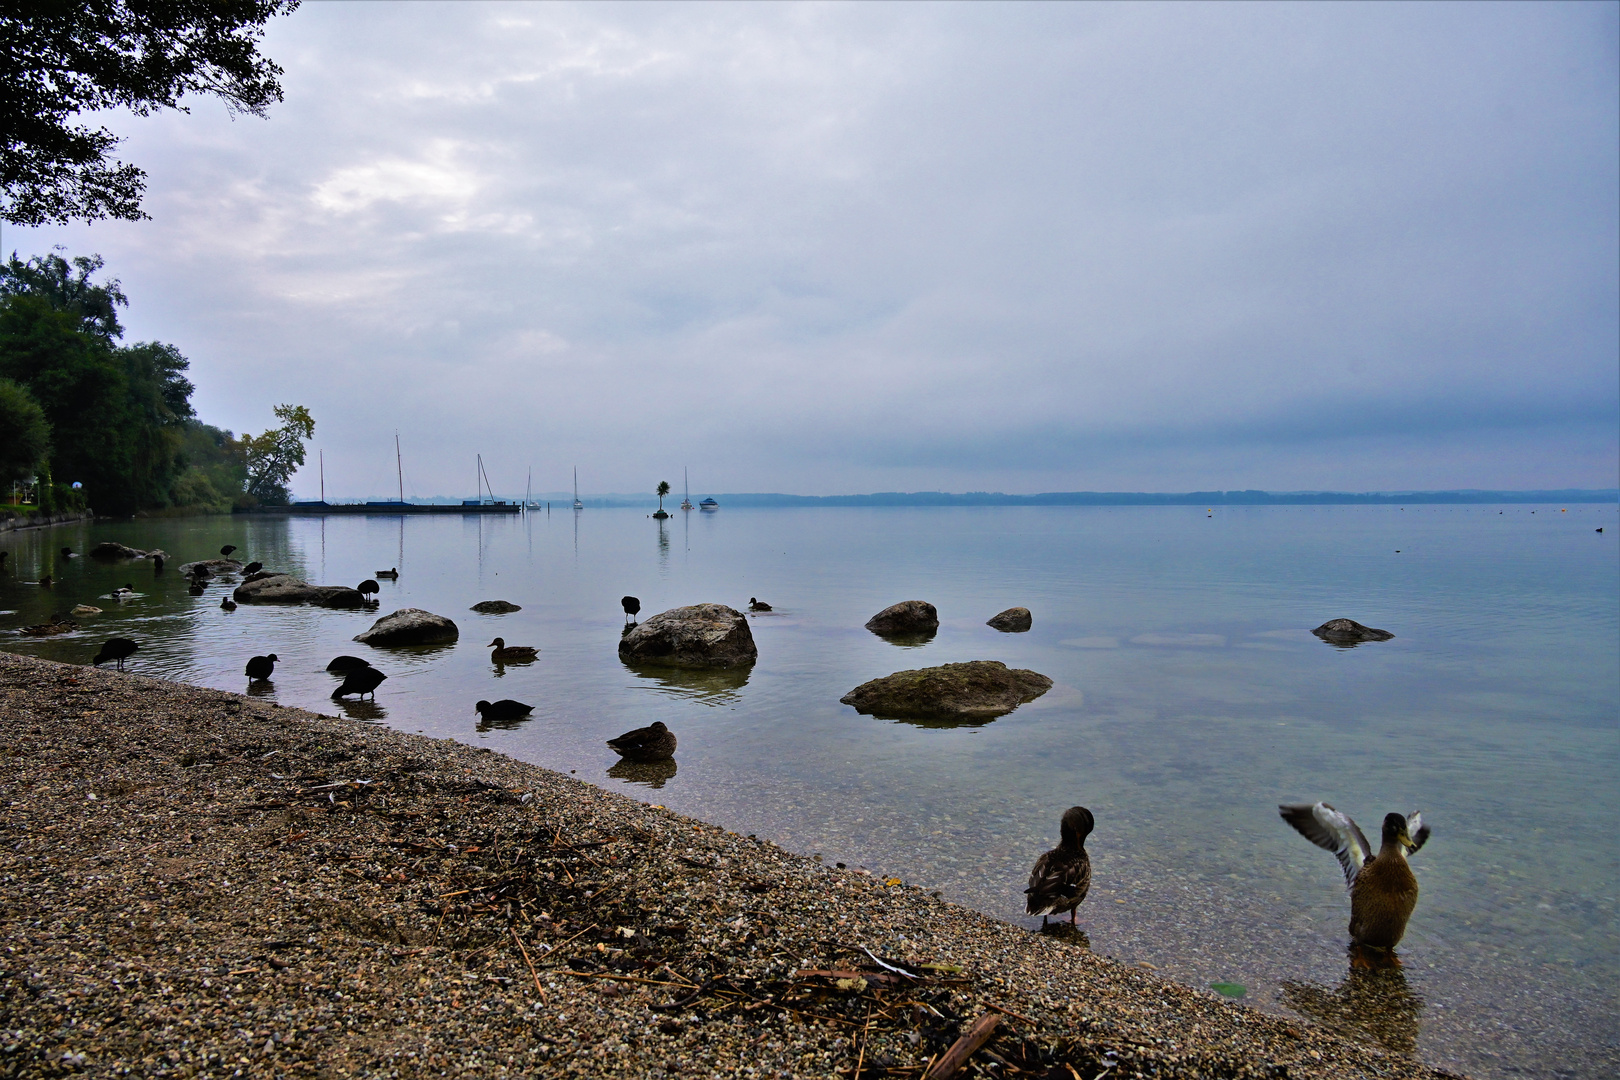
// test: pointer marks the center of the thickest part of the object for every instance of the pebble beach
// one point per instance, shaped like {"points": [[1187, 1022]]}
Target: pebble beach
{"points": [[199, 883]]}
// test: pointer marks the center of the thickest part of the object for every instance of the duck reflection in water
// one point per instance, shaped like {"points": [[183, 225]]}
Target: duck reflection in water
{"points": [[261, 688], [1373, 1002], [362, 709], [653, 774]]}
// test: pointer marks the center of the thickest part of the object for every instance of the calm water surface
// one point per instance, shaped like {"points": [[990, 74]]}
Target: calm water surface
{"points": [[1190, 700]]}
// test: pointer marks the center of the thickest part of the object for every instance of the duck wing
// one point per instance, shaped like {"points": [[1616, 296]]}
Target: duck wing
{"points": [[1418, 831], [1327, 828], [1058, 878]]}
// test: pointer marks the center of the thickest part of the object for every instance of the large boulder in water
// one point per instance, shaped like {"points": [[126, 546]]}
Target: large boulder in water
{"points": [[976, 690], [208, 567], [700, 636], [1015, 620], [112, 549], [410, 626], [1349, 632], [286, 589], [906, 617]]}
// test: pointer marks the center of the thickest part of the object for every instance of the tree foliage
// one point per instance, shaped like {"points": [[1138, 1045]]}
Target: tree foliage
{"points": [[66, 58], [25, 436], [275, 455], [116, 414]]}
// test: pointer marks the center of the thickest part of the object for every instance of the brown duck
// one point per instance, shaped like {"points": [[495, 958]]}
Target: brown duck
{"points": [[504, 653], [1062, 877], [1383, 889], [654, 743]]}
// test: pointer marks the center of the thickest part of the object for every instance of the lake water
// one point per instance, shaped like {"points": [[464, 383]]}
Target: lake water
{"points": [[1190, 700]]}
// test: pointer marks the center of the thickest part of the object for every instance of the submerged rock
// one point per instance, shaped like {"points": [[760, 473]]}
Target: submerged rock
{"points": [[410, 626], [495, 607], [1015, 620], [112, 549], [286, 589], [1349, 632], [978, 689], [700, 636], [906, 617], [211, 566]]}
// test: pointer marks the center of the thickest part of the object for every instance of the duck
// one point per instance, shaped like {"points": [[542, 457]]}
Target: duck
{"points": [[253, 568], [44, 581], [632, 607], [260, 668], [368, 588], [506, 653], [505, 709], [390, 575], [225, 551], [344, 664], [653, 743], [67, 553], [757, 605], [197, 586], [1383, 889], [157, 564], [227, 604], [123, 592], [1062, 877], [362, 681], [115, 649]]}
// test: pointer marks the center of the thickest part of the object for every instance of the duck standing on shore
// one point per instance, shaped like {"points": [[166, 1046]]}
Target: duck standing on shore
{"points": [[632, 607], [118, 649], [1383, 889], [506, 654], [253, 568], [1062, 877], [260, 668]]}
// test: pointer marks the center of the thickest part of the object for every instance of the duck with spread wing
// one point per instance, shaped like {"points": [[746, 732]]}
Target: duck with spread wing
{"points": [[1383, 889]]}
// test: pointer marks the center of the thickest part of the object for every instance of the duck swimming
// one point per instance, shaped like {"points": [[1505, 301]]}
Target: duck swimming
{"points": [[654, 743], [1383, 889], [505, 653], [1062, 877], [505, 709], [755, 604], [227, 604], [392, 575]]}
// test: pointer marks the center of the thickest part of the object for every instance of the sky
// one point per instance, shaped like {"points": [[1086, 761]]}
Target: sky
{"points": [[840, 248]]}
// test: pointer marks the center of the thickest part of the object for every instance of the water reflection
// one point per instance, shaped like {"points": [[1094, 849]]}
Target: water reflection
{"points": [[1066, 932], [261, 688], [496, 719], [361, 709], [716, 687], [1373, 1002], [909, 641], [414, 655], [942, 722], [653, 774]]}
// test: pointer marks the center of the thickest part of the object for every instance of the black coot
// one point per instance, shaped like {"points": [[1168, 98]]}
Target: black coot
{"points": [[118, 649], [261, 667]]}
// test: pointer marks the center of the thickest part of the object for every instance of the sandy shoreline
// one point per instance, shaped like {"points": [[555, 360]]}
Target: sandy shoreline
{"points": [[199, 883]]}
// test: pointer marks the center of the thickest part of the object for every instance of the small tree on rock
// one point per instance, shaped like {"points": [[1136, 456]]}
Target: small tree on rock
{"points": [[663, 489]]}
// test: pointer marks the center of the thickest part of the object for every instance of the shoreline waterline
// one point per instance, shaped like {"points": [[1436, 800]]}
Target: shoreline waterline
{"points": [[188, 864]]}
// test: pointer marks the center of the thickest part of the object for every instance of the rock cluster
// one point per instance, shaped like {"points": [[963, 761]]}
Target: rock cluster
{"points": [[285, 589], [1349, 632], [978, 689], [700, 636]]}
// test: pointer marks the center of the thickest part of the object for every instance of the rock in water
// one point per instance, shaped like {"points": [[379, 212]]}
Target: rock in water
{"points": [[495, 607], [1349, 632], [700, 636], [410, 626], [111, 549], [978, 689], [210, 566], [1015, 620], [906, 617], [286, 589]]}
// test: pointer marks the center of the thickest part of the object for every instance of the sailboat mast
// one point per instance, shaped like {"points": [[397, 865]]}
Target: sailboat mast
{"points": [[399, 466], [323, 475]]}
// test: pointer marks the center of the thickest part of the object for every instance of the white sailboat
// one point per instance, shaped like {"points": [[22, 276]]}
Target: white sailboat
{"points": [[686, 500], [577, 504]]}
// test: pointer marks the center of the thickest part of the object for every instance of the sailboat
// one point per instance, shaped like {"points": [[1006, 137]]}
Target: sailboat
{"points": [[686, 499], [577, 504]]}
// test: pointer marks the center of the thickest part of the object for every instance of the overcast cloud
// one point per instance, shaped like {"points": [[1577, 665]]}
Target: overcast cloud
{"points": [[843, 248]]}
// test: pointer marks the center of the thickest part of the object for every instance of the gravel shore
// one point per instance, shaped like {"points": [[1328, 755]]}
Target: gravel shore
{"points": [[198, 883]]}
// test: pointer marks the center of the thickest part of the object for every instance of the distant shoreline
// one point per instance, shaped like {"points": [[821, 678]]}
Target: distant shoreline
{"points": [[748, 500]]}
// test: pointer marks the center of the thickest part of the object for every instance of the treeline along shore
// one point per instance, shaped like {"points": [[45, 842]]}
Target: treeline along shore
{"points": [[199, 883]]}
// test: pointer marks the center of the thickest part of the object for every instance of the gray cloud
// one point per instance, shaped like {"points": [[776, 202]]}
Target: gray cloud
{"points": [[838, 248]]}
